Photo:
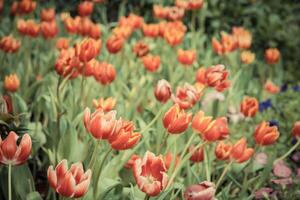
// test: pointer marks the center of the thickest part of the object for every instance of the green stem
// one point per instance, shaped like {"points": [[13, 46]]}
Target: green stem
{"points": [[100, 171], [223, 174], [163, 142], [147, 197], [153, 120], [289, 152], [9, 182], [92, 161], [58, 116], [206, 162]]}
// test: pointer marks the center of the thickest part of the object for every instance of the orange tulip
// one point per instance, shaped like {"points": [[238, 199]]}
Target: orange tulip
{"points": [[141, 49], [11, 153], [49, 29], [151, 62], [62, 43], [95, 31], [227, 44], [29, 27], [123, 31], [223, 150], [173, 36], [104, 73], [247, 57], [11, 83], [163, 91], [249, 106], [271, 87], [25, 6], [296, 129], [169, 159], [160, 12], [132, 21], [243, 37], [176, 120], [218, 131], [89, 68], [151, 30], [105, 104], [114, 44], [201, 124], [47, 14], [85, 8], [73, 182], [186, 57], [125, 137], [189, 4], [265, 134], [150, 174], [67, 63], [175, 13], [9, 44], [272, 55], [187, 96], [198, 155], [87, 49], [240, 153], [71, 25]]}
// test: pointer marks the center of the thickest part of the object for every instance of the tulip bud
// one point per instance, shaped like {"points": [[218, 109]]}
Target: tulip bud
{"points": [[141, 49], [114, 44], [272, 55], [151, 63], [163, 91], [296, 129], [186, 57], [198, 154], [265, 134], [249, 106], [240, 153], [47, 14], [85, 8], [271, 87], [11, 83], [223, 151]]}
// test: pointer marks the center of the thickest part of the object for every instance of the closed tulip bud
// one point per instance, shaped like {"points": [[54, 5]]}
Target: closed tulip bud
{"points": [[187, 96], [47, 14], [265, 134], [186, 57], [150, 174], [271, 87], [49, 29], [105, 104], [11, 153], [240, 153], [26, 6], [272, 55], [71, 183], [105, 73], [176, 120], [140, 49], [85, 8], [247, 57], [95, 31], [243, 37], [9, 44], [62, 43], [201, 124], [87, 50], [160, 12], [151, 62], [163, 91], [124, 137], [151, 30], [249, 106], [197, 154], [223, 150], [114, 44], [203, 191], [11, 83], [296, 129]]}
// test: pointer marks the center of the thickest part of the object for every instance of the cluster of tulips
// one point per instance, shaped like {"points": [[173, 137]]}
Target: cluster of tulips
{"points": [[154, 172]]}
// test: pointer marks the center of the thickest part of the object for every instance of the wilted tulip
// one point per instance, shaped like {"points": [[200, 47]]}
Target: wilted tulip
{"points": [[176, 120], [198, 154], [265, 134], [11, 83], [62, 43], [247, 57], [11, 153], [271, 87], [187, 96], [150, 174], [85, 8], [105, 104], [73, 182], [114, 44], [272, 55], [151, 30], [203, 191], [47, 14], [296, 129], [223, 150], [141, 49], [249, 106], [186, 57], [240, 153], [162, 91], [151, 62]]}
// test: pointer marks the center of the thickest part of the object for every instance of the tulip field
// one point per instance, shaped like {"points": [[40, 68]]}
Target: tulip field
{"points": [[149, 100]]}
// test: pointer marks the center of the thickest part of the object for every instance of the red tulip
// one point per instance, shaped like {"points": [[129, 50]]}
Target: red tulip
{"points": [[47, 14], [29, 27], [218, 131], [9, 44], [150, 174], [69, 183], [87, 49], [95, 31], [11, 83], [201, 124], [160, 12], [240, 153], [198, 155], [186, 57], [25, 6], [271, 87], [175, 13], [62, 43], [272, 55], [85, 8], [105, 73], [265, 134], [49, 29], [176, 120], [296, 129], [123, 32], [173, 36], [223, 151], [105, 104], [67, 63], [228, 44], [163, 91], [141, 49], [249, 106], [11, 153], [151, 30], [202, 191], [151, 62], [114, 44], [124, 137], [187, 96]]}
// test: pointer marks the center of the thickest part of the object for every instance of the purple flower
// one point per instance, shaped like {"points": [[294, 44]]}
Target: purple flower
{"points": [[261, 158], [296, 156], [264, 192], [280, 169], [283, 181]]}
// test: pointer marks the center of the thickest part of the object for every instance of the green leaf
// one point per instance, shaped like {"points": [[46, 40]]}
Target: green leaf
{"points": [[34, 196]]}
